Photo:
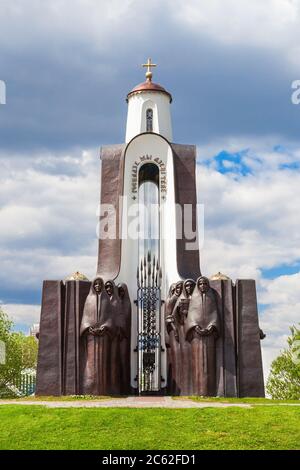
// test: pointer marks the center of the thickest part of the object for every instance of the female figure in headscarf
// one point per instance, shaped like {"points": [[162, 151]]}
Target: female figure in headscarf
{"points": [[172, 338], [202, 329], [124, 326], [115, 366], [110, 289], [96, 330], [185, 347]]}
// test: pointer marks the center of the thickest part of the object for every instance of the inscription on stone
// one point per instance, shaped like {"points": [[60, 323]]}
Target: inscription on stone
{"points": [[162, 173]]}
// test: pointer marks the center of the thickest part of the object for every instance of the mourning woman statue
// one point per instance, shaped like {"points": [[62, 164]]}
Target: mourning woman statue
{"points": [[114, 362], [110, 289], [171, 338], [202, 329], [124, 326], [96, 331], [188, 289], [184, 375], [169, 306]]}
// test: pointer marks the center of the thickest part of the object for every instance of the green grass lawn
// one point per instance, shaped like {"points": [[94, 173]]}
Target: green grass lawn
{"points": [[82, 398], [259, 427], [251, 401], [68, 398]]}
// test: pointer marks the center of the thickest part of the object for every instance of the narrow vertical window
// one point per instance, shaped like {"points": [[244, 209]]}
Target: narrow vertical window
{"points": [[149, 120]]}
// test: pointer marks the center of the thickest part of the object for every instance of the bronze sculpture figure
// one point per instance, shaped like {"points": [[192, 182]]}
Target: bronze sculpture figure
{"points": [[124, 332], [96, 331], [172, 338], [184, 375], [202, 329], [114, 356], [106, 333], [110, 289]]}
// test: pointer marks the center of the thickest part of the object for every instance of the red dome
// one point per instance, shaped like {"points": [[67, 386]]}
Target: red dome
{"points": [[149, 86]]}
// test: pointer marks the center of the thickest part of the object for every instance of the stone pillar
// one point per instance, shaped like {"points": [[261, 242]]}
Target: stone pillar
{"points": [[250, 370], [49, 369], [220, 386], [230, 366], [226, 344], [76, 294]]}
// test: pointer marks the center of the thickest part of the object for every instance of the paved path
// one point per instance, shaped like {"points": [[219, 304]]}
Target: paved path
{"points": [[130, 402]]}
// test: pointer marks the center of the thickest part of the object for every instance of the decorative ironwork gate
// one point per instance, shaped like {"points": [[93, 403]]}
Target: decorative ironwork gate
{"points": [[149, 277]]}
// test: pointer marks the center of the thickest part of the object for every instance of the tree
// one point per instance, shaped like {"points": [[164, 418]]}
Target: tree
{"points": [[20, 353], [284, 379], [29, 351]]}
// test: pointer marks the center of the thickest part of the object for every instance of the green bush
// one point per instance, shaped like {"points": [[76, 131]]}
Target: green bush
{"points": [[20, 354], [284, 379]]}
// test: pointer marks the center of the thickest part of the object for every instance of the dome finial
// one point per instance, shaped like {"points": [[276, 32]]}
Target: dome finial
{"points": [[149, 72], [220, 277]]}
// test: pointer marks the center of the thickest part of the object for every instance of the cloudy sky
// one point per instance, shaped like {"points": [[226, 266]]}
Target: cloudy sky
{"points": [[229, 64]]}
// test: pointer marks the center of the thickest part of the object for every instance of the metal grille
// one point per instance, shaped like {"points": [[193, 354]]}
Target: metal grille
{"points": [[149, 342]]}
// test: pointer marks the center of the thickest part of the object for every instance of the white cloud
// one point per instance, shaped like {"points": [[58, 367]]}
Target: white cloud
{"points": [[283, 298], [252, 223], [48, 220], [22, 314], [94, 22], [284, 290], [271, 23], [268, 24]]}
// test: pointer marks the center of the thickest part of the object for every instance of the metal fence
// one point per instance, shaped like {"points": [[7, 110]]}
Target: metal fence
{"points": [[25, 384]]}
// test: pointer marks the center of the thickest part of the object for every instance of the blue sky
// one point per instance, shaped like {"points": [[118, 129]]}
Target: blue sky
{"points": [[68, 67]]}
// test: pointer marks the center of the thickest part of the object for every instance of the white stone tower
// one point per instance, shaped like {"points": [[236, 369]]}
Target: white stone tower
{"points": [[149, 109], [145, 180]]}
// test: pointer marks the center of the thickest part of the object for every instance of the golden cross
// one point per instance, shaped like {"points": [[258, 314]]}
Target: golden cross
{"points": [[149, 72]]}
